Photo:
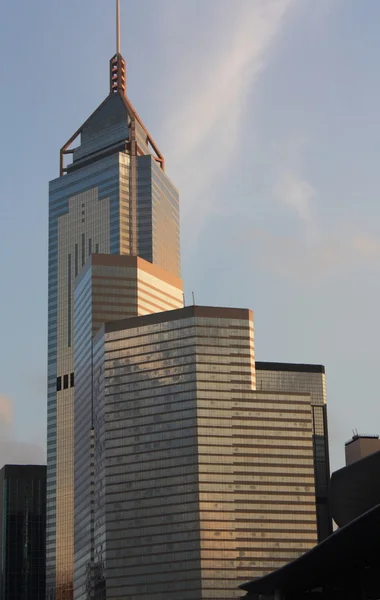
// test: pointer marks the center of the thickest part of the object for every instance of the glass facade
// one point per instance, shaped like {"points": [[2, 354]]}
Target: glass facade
{"points": [[22, 532], [201, 481], [113, 199], [311, 379], [158, 216]]}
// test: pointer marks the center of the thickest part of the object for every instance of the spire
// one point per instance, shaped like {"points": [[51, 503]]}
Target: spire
{"points": [[117, 65], [117, 26]]}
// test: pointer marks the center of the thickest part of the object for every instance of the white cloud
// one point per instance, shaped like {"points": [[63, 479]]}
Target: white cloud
{"points": [[204, 133], [295, 193]]}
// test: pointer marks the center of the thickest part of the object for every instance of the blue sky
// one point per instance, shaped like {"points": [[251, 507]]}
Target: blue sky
{"points": [[267, 113]]}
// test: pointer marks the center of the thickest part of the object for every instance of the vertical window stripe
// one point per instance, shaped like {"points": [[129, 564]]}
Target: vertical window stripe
{"points": [[83, 249], [76, 260], [69, 301]]}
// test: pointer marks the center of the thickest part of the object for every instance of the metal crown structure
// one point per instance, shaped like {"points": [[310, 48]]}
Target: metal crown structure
{"points": [[118, 85]]}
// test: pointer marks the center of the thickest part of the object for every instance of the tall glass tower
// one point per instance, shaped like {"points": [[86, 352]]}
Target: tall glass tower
{"points": [[114, 197]]}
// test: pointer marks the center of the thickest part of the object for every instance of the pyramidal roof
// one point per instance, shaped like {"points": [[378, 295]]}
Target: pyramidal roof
{"points": [[114, 126]]}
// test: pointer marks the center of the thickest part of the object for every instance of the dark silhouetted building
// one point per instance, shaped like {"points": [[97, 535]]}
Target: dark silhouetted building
{"points": [[361, 446], [22, 532], [355, 489]]}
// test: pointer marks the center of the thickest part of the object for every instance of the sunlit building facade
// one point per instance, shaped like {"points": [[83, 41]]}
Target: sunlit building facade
{"points": [[113, 198], [201, 481], [109, 287]]}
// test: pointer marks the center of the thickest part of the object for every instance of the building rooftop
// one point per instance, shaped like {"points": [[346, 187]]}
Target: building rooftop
{"points": [[362, 436], [291, 367], [180, 313]]}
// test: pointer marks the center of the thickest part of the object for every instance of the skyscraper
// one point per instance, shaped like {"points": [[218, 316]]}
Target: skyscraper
{"points": [[114, 197], [22, 532], [109, 287], [182, 475], [201, 481]]}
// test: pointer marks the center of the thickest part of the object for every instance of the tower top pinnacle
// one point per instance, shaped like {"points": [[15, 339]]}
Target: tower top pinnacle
{"points": [[117, 67]]}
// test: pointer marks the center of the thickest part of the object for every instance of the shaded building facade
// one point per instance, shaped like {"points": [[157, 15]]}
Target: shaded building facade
{"points": [[22, 532], [355, 489], [311, 379], [113, 198], [200, 479]]}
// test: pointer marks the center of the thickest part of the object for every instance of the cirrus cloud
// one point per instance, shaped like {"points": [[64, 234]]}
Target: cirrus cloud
{"points": [[204, 132]]}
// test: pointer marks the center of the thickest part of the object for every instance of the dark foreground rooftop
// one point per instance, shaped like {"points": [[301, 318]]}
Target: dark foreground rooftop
{"points": [[350, 557]]}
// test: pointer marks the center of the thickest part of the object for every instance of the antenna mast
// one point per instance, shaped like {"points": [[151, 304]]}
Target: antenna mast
{"points": [[117, 26]]}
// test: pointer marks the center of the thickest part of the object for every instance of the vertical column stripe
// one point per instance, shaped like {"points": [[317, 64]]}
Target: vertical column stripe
{"points": [[76, 260], [83, 249], [69, 291]]}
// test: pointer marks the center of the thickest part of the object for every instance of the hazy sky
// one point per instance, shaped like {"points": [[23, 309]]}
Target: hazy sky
{"points": [[267, 114]]}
